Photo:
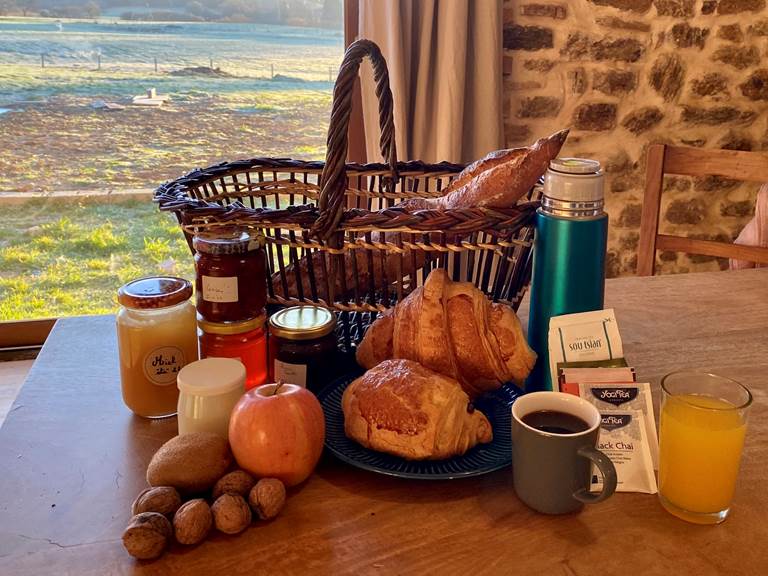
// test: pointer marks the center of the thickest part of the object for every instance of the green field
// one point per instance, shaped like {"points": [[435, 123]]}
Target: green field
{"points": [[61, 259]]}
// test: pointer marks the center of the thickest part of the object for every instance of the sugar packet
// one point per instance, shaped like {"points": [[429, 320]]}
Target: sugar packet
{"points": [[583, 337], [629, 396], [622, 439]]}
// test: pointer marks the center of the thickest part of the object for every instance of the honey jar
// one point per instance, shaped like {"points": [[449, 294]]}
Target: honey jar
{"points": [[157, 337], [231, 278]]}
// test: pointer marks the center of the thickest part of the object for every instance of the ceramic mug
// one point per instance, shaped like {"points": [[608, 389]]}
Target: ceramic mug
{"points": [[552, 471]]}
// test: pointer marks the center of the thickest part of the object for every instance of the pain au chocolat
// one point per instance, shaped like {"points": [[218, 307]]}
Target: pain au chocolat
{"points": [[402, 408]]}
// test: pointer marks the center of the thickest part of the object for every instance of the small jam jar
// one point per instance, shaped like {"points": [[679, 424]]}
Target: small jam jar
{"points": [[156, 336], [302, 346], [245, 341], [231, 271], [209, 390]]}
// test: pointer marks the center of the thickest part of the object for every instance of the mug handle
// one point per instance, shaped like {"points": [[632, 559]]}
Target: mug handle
{"points": [[608, 471]]}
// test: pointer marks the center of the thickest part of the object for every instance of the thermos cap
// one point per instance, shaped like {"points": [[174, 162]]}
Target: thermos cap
{"points": [[576, 180]]}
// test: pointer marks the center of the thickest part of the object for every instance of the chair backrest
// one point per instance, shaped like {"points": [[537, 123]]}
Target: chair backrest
{"points": [[684, 161]]}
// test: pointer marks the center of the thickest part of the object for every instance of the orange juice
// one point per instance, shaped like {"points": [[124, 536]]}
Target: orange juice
{"points": [[701, 438]]}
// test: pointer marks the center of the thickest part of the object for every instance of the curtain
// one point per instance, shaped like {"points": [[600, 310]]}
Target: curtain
{"points": [[445, 69]]}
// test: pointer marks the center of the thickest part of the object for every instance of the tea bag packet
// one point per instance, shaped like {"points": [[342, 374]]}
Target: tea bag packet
{"points": [[630, 396], [573, 374], [623, 440], [584, 337]]}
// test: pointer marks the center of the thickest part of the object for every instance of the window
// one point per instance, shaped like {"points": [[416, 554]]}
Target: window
{"points": [[103, 100]]}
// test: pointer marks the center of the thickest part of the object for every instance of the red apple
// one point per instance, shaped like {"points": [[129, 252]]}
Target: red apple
{"points": [[278, 431]]}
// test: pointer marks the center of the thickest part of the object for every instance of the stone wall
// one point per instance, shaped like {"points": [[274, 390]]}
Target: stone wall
{"points": [[626, 73]]}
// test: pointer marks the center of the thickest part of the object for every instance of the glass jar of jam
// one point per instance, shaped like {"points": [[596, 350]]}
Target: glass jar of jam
{"points": [[245, 341], [156, 336], [302, 346], [231, 271]]}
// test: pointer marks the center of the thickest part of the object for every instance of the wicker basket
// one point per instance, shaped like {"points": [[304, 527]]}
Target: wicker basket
{"points": [[334, 207]]}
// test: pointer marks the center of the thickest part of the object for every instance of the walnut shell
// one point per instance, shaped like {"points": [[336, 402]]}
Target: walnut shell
{"points": [[164, 500], [147, 535], [237, 482], [231, 513], [192, 522], [267, 498]]}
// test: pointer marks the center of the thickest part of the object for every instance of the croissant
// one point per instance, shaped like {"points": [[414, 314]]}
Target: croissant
{"points": [[497, 181], [452, 328], [401, 408]]}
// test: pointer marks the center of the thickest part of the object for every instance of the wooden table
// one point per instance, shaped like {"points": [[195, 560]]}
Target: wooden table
{"points": [[72, 458]]}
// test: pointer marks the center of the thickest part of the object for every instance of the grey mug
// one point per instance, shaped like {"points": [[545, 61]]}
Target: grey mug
{"points": [[551, 472]]}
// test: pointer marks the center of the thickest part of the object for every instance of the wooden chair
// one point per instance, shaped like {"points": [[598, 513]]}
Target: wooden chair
{"points": [[663, 159]]}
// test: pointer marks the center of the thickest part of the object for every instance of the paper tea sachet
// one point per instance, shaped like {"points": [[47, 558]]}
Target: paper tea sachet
{"points": [[583, 337], [622, 439], [630, 396], [571, 375]]}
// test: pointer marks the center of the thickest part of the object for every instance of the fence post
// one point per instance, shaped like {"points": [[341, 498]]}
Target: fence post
{"points": [[210, 60], [155, 63], [42, 60], [272, 68]]}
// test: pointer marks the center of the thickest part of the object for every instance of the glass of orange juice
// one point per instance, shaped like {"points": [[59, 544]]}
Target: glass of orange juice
{"points": [[701, 434]]}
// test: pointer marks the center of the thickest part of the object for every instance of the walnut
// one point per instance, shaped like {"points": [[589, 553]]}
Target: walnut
{"points": [[164, 500], [267, 498], [231, 513], [192, 522], [147, 535], [237, 482]]}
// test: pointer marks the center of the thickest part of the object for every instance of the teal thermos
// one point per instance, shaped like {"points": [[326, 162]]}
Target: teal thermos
{"points": [[568, 254]]}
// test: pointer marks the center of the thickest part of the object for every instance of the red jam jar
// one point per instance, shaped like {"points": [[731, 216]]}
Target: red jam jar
{"points": [[245, 341], [231, 281]]}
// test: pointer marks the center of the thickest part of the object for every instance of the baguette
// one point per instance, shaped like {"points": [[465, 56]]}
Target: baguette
{"points": [[498, 180]]}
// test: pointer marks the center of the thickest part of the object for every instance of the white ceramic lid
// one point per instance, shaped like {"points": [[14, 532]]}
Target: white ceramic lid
{"points": [[211, 377]]}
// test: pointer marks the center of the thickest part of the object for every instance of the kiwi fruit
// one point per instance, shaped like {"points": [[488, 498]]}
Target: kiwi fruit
{"points": [[191, 463]]}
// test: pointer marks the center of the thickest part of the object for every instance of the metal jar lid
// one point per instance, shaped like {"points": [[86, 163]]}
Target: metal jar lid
{"points": [[154, 292], [228, 240], [228, 328], [302, 322]]}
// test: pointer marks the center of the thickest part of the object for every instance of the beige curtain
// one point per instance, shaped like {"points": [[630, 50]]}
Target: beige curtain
{"points": [[444, 59]]}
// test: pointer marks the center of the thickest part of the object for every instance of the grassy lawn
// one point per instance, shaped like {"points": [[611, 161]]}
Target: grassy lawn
{"points": [[62, 259]]}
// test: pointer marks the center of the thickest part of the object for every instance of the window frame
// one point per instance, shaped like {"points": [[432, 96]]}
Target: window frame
{"points": [[20, 339]]}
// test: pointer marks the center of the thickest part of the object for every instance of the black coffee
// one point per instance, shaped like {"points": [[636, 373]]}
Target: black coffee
{"points": [[555, 422]]}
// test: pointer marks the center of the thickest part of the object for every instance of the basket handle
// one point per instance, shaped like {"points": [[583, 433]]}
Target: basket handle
{"points": [[334, 178]]}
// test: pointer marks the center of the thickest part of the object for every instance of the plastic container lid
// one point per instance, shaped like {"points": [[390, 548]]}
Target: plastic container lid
{"points": [[211, 377], [154, 292], [302, 322], [574, 180]]}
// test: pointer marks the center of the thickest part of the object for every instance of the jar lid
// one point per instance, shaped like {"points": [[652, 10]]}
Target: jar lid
{"points": [[231, 327], [228, 240], [154, 292], [211, 377], [302, 322]]}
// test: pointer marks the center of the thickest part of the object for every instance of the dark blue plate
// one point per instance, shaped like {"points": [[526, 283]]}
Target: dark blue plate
{"points": [[481, 459]]}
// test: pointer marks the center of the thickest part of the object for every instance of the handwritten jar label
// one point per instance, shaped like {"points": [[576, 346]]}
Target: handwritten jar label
{"points": [[220, 289], [163, 364], [291, 373]]}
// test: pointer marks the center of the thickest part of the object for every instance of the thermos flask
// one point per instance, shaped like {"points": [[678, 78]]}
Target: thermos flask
{"points": [[568, 254]]}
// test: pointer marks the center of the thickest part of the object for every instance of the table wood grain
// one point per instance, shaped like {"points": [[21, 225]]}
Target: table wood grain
{"points": [[72, 459]]}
